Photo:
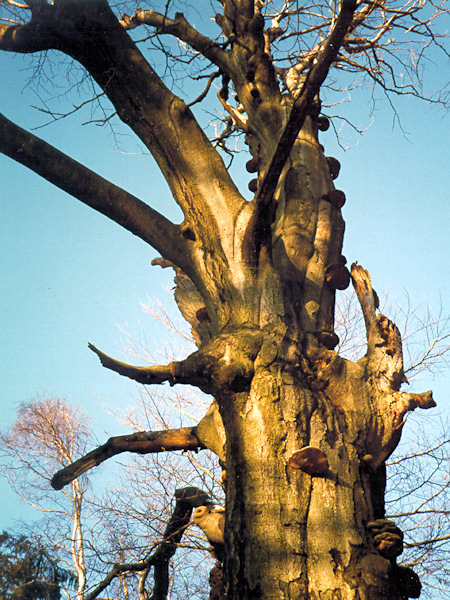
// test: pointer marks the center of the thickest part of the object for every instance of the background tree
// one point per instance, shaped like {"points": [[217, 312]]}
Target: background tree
{"points": [[89, 535], [257, 280], [27, 572], [47, 435]]}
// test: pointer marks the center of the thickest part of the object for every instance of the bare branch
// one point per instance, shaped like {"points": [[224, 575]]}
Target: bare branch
{"points": [[194, 370], [186, 499], [180, 28], [428, 542], [18, 4], [142, 442], [91, 189], [146, 375], [206, 90], [203, 367]]}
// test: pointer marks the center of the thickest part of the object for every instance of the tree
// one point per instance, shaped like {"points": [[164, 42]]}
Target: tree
{"points": [[27, 572], [46, 436], [307, 431]]}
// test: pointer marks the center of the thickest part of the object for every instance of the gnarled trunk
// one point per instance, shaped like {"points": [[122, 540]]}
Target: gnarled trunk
{"points": [[293, 534]]}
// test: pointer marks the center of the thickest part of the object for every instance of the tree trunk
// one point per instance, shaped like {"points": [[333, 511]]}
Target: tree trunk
{"points": [[77, 541], [292, 534]]}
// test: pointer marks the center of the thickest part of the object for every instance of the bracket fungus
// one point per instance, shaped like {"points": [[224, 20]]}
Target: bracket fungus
{"points": [[253, 185], [334, 165], [337, 277], [408, 581], [310, 460], [328, 339], [387, 538], [252, 165], [323, 123], [336, 198]]}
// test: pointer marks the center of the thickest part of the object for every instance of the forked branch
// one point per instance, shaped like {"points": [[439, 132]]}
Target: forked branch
{"points": [[90, 33], [186, 500], [309, 90], [180, 28]]}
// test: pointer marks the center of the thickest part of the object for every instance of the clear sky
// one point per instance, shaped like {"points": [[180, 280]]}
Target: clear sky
{"points": [[69, 276]]}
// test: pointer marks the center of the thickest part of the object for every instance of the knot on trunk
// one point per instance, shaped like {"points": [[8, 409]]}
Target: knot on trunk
{"points": [[229, 359]]}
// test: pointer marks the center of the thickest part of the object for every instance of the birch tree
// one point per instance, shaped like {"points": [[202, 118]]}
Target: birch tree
{"points": [[48, 435], [303, 433]]}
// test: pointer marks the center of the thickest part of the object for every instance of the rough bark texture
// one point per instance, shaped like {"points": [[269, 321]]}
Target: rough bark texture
{"points": [[256, 280]]}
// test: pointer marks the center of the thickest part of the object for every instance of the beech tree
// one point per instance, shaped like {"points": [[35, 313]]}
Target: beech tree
{"points": [[303, 433]]}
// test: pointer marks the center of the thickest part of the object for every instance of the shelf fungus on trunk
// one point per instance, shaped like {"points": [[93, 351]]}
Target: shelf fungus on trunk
{"points": [[253, 185], [328, 339], [387, 538], [252, 164], [334, 165], [323, 123], [337, 276], [335, 197], [310, 460], [388, 541]]}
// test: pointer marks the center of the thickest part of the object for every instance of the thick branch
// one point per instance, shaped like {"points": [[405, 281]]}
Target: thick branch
{"points": [[180, 28], [228, 360], [29, 38], [146, 375], [384, 343], [93, 190], [90, 33], [187, 498], [393, 410], [407, 402], [142, 442], [309, 90], [195, 370]]}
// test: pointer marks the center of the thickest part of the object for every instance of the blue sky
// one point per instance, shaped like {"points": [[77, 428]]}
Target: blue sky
{"points": [[69, 276]]}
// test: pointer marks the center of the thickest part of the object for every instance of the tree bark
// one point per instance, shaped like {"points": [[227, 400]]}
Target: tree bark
{"points": [[306, 536]]}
